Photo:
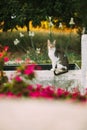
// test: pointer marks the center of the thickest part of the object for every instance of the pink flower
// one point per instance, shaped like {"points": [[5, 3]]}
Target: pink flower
{"points": [[6, 59], [6, 48], [2, 95], [18, 60], [1, 54], [38, 67], [47, 92], [66, 93], [18, 79], [38, 88], [34, 94], [75, 95], [27, 61], [19, 95], [10, 94], [30, 87], [29, 70], [60, 92]]}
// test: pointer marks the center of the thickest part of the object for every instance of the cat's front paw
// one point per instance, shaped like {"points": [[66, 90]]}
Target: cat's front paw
{"points": [[60, 71], [52, 69]]}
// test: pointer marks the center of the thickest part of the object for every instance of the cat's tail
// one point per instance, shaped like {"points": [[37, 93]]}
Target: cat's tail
{"points": [[60, 71]]}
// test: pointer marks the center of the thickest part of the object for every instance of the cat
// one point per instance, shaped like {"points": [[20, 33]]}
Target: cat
{"points": [[60, 63]]}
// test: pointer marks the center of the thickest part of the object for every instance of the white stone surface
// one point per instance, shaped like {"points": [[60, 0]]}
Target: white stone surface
{"points": [[27, 114], [72, 78], [43, 114], [47, 77], [84, 60]]}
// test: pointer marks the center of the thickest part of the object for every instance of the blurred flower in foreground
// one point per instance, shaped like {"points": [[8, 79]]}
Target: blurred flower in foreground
{"points": [[3, 58]]}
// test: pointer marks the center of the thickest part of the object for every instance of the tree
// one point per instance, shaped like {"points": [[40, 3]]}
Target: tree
{"points": [[17, 12], [8, 12], [82, 10]]}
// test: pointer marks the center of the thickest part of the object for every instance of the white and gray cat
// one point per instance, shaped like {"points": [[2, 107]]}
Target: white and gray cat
{"points": [[60, 63]]}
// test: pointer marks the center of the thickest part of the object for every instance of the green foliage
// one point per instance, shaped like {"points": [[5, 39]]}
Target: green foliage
{"points": [[9, 12], [21, 80], [82, 11], [70, 43], [17, 12], [74, 58]]}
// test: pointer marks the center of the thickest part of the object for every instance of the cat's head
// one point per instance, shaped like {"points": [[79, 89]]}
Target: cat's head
{"points": [[50, 44]]}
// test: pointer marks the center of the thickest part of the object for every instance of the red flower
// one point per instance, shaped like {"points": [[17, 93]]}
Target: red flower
{"points": [[1, 54], [10, 94], [18, 79], [35, 94], [2, 95], [39, 87], [29, 70], [6, 48], [47, 92], [60, 92], [75, 95], [30, 87], [6, 59], [38, 67]]}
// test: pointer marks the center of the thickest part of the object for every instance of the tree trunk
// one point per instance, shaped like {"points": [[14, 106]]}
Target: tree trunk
{"points": [[27, 25]]}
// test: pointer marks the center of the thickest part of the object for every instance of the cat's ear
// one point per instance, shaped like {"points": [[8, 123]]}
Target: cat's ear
{"points": [[54, 42], [48, 42]]}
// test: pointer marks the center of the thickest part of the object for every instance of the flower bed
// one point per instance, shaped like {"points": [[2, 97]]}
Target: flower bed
{"points": [[47, 92], [20, 84]]}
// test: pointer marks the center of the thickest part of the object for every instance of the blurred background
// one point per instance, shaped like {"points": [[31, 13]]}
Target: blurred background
{"points": [[26, 25]]}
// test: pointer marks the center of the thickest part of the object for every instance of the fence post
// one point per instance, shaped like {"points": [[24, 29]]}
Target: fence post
{"points": [[84, 61]]}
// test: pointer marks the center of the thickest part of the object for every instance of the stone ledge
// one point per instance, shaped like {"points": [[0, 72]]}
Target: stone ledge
{"points": [[70, 79], [40, 67], [46, 77]]}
